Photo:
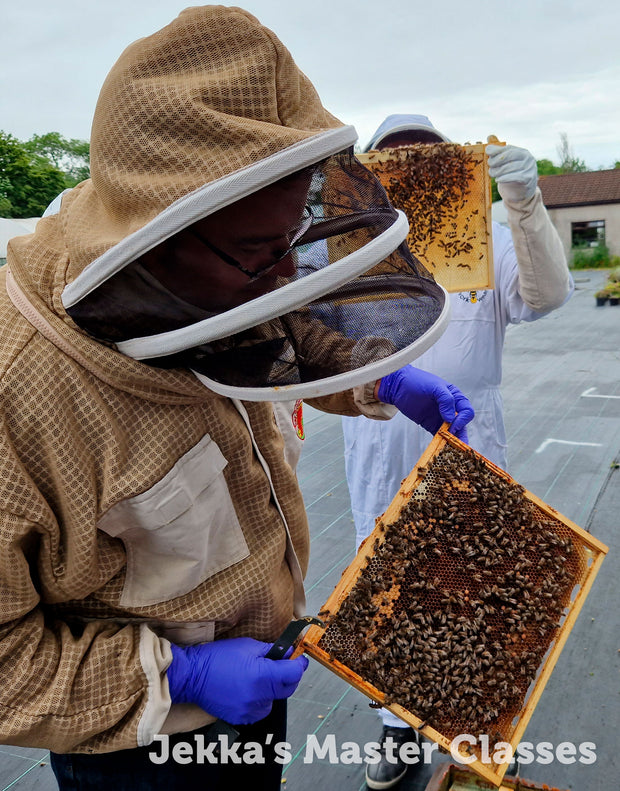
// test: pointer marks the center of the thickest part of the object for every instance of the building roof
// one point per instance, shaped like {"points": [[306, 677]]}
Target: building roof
{"points": [[580, 189]]}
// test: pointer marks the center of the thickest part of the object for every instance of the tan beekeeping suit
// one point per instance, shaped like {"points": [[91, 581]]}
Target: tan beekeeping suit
{"points": [[136, 505]]}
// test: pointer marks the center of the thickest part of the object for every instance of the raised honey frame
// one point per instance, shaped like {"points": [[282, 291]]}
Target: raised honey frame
{"points": [[591, 551], [450, 236]]}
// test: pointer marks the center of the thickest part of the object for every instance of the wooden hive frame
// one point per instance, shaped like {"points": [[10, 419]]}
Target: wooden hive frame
{"points": [[445, 191], [592, 553], [450, 777]]}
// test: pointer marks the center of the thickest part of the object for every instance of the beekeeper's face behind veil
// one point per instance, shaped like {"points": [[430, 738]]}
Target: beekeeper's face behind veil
{"points": [[229, 229], [238, 253]]}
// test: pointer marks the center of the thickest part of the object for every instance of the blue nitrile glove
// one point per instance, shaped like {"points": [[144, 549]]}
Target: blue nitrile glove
{"points": [[427, 399], [515, 171], [231, 679]]}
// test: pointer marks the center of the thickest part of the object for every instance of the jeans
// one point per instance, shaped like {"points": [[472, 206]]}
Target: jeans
{"points": [[134, 770]]}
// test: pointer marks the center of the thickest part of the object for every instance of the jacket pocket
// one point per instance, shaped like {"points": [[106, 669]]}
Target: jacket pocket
{"points": [[180, 532]]}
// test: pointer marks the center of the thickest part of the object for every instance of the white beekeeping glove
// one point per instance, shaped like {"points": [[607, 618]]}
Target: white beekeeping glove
{"points": [[515, 171]]}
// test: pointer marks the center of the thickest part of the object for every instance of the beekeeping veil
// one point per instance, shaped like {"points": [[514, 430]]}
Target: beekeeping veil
{"points": [[190, 121]]}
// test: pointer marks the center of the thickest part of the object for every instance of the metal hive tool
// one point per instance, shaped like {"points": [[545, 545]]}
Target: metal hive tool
{"points": [[456, 608], [444, 189]]}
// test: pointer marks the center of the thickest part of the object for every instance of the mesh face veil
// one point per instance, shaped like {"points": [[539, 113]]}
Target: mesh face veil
{"points": [[279, 267]]}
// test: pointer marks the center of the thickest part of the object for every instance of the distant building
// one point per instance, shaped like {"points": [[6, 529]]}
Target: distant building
{"points": [[584, 207]]}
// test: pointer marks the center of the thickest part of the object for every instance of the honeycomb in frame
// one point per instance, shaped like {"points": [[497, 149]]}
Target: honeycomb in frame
{"points": [[456, 608], [445, 191]]}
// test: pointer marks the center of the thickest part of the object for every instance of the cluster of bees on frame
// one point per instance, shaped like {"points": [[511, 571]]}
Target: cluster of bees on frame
{"points": [[429, 183], [460, 599]]}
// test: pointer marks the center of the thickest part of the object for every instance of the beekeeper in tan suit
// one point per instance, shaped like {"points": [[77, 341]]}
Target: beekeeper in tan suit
{"points": [[153, 532]]}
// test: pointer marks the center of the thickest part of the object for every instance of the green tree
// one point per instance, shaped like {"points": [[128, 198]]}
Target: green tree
{"points": [[569, 163], [69, 156], [27, 185], [547, 168], [495, 196]]}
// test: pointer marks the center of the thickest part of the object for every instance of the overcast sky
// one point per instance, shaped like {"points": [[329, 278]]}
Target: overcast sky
{"points": [[523, 70]]}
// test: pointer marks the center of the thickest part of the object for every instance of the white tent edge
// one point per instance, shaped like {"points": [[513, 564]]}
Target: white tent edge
{"points": [[10, 227]]}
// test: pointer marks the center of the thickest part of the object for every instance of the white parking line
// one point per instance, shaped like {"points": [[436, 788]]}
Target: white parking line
{"points": [[550, 441], [589, 393]]}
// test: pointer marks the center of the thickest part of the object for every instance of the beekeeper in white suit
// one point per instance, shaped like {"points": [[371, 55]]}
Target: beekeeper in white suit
{"points": [[531, 279]]}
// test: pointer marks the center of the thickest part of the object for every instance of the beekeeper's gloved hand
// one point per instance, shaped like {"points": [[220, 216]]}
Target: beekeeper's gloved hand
{"points": [[232, 679], [426, 399], [515, 171]]}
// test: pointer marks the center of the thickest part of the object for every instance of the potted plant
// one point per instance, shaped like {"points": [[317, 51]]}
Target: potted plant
{"points": [[601, 297], [613, 290]]}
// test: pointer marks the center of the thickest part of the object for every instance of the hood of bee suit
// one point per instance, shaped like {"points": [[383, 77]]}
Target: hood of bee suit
{"points": [[193, 119], [403, 123], [210, 95]]}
